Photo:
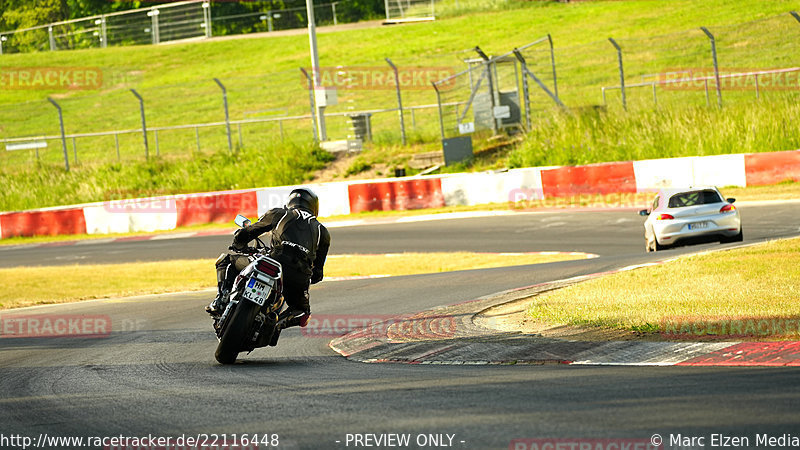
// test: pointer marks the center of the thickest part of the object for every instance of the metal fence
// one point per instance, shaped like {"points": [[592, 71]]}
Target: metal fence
{"points": [[474, 93], [495, 93], [703, 66], [205, 116], [707, 66], [409, 10], [162, 23], [156, 24]]}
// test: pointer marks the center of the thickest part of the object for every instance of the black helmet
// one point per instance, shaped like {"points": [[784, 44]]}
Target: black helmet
{"points": [[304, 198]]}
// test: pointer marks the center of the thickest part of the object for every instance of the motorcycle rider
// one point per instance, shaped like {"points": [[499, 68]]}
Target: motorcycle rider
{"points": [[298, 241]]}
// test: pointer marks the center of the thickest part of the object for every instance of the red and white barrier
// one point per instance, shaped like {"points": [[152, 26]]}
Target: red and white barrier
{"points": [[719, 170], [771, 168], [333, 198], [396, 194], [148, 214], [492, 187], [342, 198], [43, 222], [604, 178]]}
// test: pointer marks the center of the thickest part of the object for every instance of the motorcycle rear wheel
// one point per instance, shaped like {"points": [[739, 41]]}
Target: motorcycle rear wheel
{"points": [[232, 340]]}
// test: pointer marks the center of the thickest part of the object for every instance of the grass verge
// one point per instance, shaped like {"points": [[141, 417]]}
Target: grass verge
{"points": [[745, 293], [27, 286], [51, 185]]}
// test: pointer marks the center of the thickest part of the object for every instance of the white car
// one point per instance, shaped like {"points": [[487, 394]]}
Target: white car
{"points": [[695, 213]]}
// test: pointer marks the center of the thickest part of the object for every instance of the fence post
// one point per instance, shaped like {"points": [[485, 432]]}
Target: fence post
{"points": [[333, 9], [716, 67], [2, 39], [63, 136], [144, 124], [52, 38], [227, 118], [527, 72], [153, 13], [311, 102], [103, 31], [312, 41], [399, 100], [439, 102], [487, 63], [207, 18], [269, 21], [197, 136], [655, 98], [621, 73], [526, 95], [552, 63]]}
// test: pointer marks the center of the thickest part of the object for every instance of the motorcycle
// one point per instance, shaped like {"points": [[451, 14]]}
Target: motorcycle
{"points": [[251, 318]]}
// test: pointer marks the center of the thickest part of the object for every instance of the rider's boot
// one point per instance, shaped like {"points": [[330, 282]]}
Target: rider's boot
{"points": [[216, 307], [225, 279], [295, 317], [289, 318]]}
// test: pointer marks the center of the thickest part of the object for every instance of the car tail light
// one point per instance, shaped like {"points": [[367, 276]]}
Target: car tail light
{"points": [[268, 268], [664, 217], [727, 208]]}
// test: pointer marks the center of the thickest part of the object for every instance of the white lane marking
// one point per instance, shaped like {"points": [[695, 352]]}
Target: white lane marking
{"points": [[354, 277], [345, 223], [70, 257], [638, 266], [159, 237], [454, 215], [554, 224], [95, 241]]}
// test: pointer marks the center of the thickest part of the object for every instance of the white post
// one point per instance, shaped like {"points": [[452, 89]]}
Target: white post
{"points": [[52, 38], [207, 18], [312, 38]]}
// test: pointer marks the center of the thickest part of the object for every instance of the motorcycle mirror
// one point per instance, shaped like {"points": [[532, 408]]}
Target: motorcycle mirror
{"points": [[242, 221]]}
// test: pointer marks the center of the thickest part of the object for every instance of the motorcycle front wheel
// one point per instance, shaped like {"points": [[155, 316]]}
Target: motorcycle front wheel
{"points": [[232, 340]]}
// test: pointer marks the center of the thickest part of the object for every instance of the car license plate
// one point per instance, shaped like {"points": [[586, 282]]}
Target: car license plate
{"points": [[256, 291], [698, 225]]}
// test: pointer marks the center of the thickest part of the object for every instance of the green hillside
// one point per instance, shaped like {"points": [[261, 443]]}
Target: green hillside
{"points": [[262, 77]]}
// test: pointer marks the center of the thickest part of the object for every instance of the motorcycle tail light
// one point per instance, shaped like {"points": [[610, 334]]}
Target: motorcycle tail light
{"points": [[664, 217], [727, 208], [268, 268]]}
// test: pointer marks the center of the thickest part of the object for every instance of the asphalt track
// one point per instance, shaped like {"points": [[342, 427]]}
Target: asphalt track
{"points": [[608, 233], [155, 373]]}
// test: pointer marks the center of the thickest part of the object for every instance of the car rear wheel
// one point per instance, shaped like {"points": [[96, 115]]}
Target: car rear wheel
{"points": [[654, 246], [738, 238]]}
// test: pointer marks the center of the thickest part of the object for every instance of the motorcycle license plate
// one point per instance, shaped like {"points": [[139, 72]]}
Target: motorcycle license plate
{"points": [[256, 291], [698, 225]]}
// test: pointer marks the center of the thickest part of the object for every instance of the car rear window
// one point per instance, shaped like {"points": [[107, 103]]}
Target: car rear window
{"points": [[693, 198]]}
